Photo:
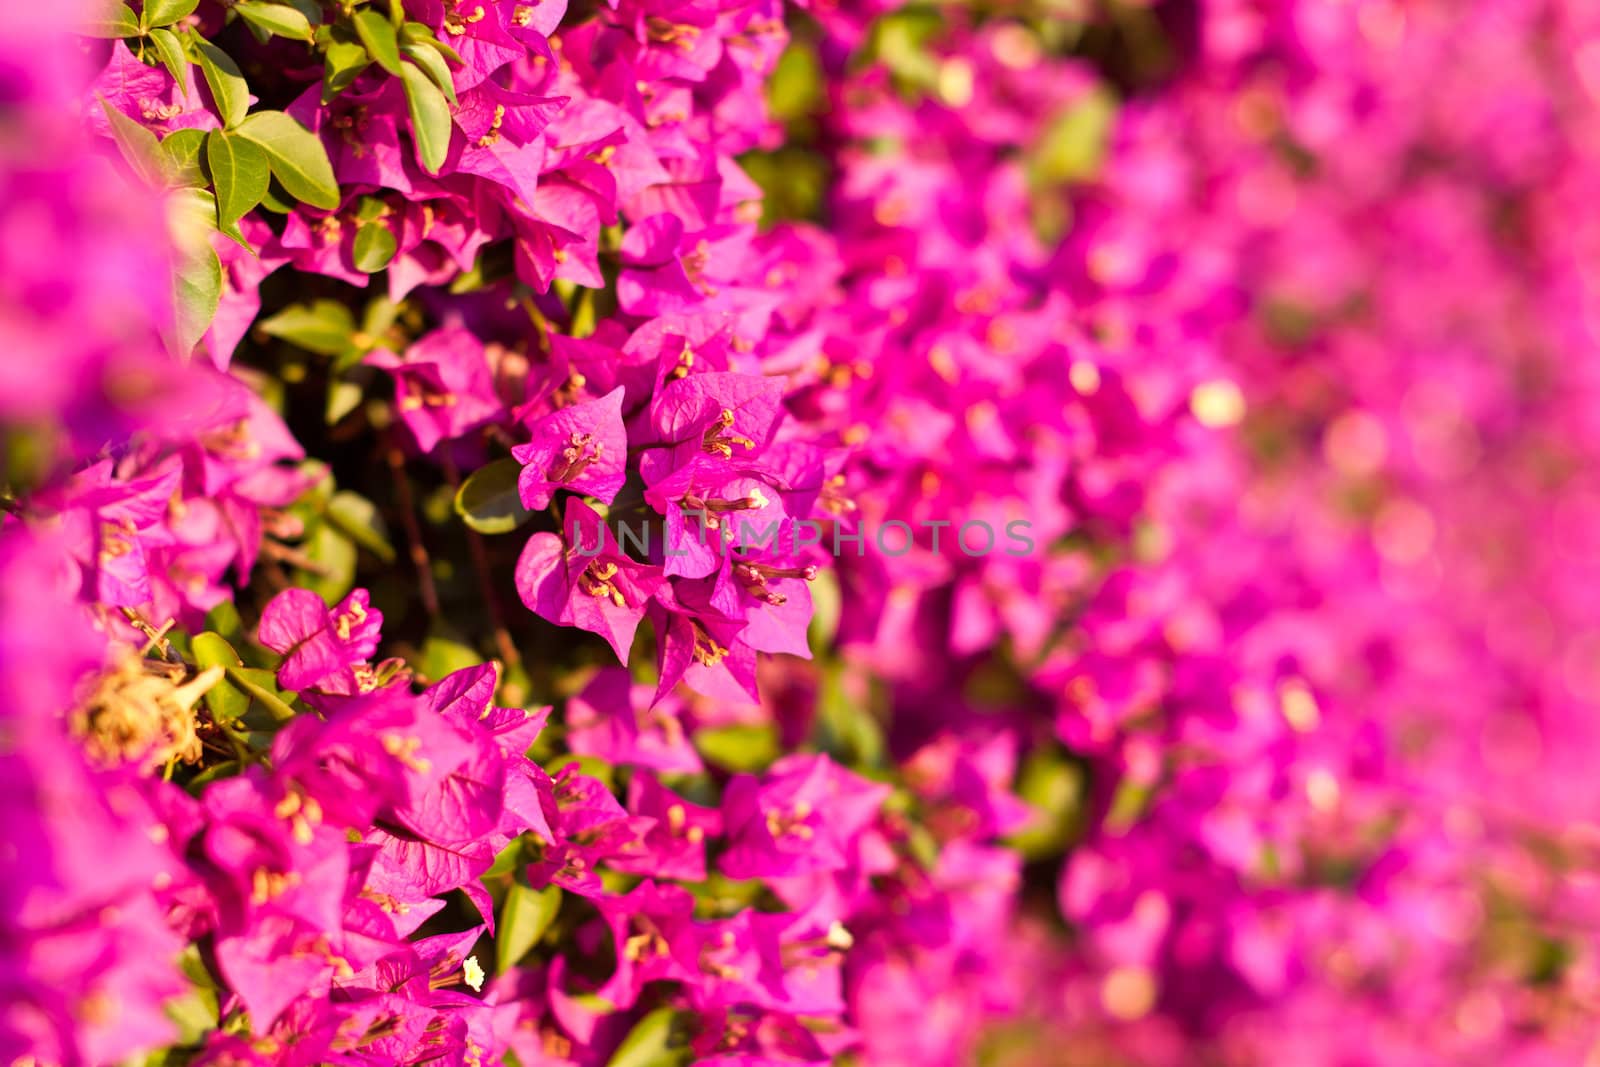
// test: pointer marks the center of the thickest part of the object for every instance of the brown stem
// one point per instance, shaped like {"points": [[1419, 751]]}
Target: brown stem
{"points": [[277, 550], [541, 325], [480, 564], [278, 580], [408, 515], [157, 637]]}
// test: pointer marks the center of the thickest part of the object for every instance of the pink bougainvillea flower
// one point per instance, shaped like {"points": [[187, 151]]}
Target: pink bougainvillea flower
{"points": [[803, 815], [700, 646], [147, 94], [113, 526], [590, 826], [652, 929], [675, 846], [500, 138], [620, 722], [726, 415], [582, 447], [711, 506], [323, 649], [443, 386], [582, 579]]}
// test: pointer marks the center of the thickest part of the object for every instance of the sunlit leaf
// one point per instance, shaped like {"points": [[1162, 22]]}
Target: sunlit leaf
{"points": [[110, 21], [239, 173], [296, 156], [488, 500], [227, 85], [166, 12], [378, 35], [196, 293], [279, 19], [430, 116], [432, 63], [358, 518], [374, 246], [323, 326], [171, 51], [139, 147], [524, 917], [225, 699], [653, 1042]]}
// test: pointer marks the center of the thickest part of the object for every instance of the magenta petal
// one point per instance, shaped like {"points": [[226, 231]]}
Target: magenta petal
{"points": [[541, 576]]}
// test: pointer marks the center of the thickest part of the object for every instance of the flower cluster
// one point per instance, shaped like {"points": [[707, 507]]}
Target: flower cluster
{"points": [[495, 511]]}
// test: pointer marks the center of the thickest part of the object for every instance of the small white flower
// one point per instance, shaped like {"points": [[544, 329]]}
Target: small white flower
{"points": [[472, 971]]}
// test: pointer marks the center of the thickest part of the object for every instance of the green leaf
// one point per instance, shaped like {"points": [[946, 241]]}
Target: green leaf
{"points": [[182, 150], [228, 87], [719, 896], [296, 157], [226, 700], [377, 34], [594, 1003], [110, 21], [417, 33], [213, 650], [194, 1013], [469, 281], [796, 87], [374, 246], [262, 685], [524, 917], [370, 208], [310, 505], [277, 199], [311, 9], [508, 860], [343, 62], [923, 846], [335, 557], [1128, 805], [446, 651], [196, 292], [433, 65], [488, 500], [239, 173], [191, 220], [379, 314], [138, 146], [280, 19], [193, 966], [172, 57], [847, 729], [323, 326], [1074, 143], [901, 41], [430, 117], [358, 518], [166, 12], [343, 398], [585, 316], [826, 606], [652, 1043], [1053, 786], [196, 785], [224, 619], [793, 182], [738, 748]]}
